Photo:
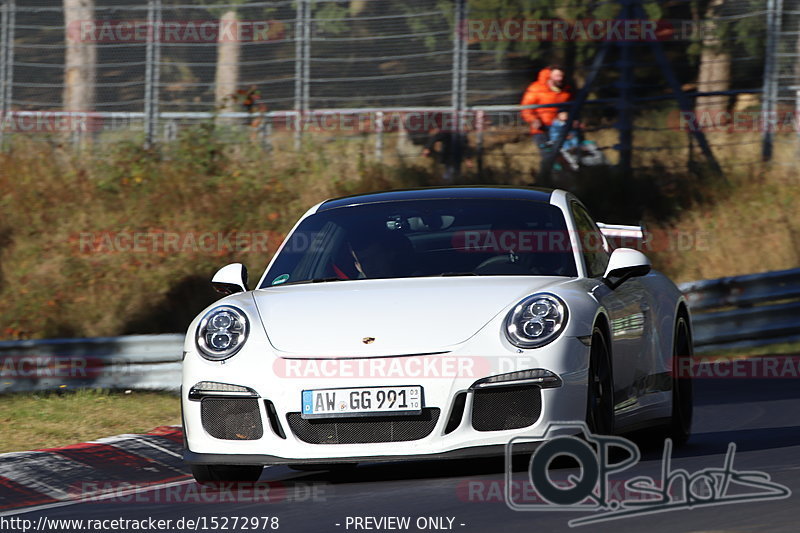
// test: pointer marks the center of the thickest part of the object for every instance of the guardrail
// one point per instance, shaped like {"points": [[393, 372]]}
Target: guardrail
{"points": [[142, 362], [745, 311], [735, 312]]}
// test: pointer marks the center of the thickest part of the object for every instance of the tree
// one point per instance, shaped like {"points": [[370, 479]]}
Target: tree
{"points": [[227, 72], [727, 36], [80, 62], [714, 73]]}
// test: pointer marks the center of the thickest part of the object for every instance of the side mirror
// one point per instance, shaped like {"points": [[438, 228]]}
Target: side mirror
{"points": [[230, 279], [625, 263]]}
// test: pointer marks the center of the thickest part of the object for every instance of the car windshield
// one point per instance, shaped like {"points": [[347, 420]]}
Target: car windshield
{"points": [[420, 238]]}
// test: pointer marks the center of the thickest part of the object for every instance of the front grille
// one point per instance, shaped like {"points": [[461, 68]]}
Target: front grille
{"points": [[364, 430], [495, 409], [231, 418]]}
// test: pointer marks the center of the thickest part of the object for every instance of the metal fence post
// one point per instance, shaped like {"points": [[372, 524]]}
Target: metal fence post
{"points": [[797, 110], [170, 131], [683, 101], [458, 82], [6, 61], [463, 68], [306, 56], [626, 95], [379, 135], [3, 46], [265, 131], [770, 88], [462, 87], [152, 71], [480, 116], [302, 50], [298, 70]]}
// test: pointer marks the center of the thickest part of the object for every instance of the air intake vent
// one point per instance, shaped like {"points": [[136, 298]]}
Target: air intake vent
{"points": [[364, 430], [231, 418], [457, 413], [274, 422], [495, 409]]}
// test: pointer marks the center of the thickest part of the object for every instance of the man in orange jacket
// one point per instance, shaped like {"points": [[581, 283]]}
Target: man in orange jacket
{"points": [[549, 88]]}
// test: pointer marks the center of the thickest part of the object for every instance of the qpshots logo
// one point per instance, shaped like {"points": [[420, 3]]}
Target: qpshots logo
{"points": [[595, 488]]}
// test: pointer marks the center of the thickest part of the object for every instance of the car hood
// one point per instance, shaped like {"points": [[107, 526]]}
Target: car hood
{"points": [[403, 316]]}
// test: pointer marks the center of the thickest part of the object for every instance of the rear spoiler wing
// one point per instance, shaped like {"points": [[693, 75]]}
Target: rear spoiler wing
{"points": [[622, 236]]}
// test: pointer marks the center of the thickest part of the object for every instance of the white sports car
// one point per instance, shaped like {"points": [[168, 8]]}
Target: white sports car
{"points": [[432, 323]]}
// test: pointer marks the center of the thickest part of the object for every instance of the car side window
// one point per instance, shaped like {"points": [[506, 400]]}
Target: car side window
{"points": [[593, 244]]}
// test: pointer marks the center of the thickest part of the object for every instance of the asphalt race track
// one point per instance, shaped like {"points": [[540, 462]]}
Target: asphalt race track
{"points": [[761, 416]]}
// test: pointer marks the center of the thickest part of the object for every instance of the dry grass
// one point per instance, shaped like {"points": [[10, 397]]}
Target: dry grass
{"points": [[753, 227], [49, 196], [54, 204]]}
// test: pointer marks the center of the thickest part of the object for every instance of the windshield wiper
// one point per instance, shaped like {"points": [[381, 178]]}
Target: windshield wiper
{"points": [[448, 274]]}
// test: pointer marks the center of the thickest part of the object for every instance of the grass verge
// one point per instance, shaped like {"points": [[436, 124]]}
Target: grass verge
{"points": [[51, 419]]}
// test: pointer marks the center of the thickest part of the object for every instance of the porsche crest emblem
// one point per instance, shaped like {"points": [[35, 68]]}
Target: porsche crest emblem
{"points": [[368, 340]]}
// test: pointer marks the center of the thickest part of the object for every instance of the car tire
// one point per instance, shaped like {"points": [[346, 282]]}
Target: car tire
{"points": [[600, 387], [682, 394], [213, 473]]}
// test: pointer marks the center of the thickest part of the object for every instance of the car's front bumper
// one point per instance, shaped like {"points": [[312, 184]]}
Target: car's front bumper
{"points": [[264, 459], [567, 358]]}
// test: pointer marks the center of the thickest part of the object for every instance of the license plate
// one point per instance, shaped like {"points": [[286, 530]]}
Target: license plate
{"points": [[362, 401]]}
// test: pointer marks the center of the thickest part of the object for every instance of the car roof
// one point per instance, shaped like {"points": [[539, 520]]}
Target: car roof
{"points": [[441, 193]]}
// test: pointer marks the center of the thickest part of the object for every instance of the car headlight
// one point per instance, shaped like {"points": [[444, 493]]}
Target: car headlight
{"points": [[536, 321], [221, 333]]}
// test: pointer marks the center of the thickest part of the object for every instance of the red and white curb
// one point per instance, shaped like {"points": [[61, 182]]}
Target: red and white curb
{"points": [[85, 472]]}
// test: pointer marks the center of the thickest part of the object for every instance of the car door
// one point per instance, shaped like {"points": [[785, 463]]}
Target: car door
{"points": [[626, 306]]}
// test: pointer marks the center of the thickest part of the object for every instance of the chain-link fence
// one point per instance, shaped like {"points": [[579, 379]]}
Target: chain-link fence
{"points": [[396, 72]]}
